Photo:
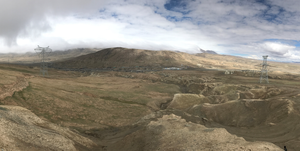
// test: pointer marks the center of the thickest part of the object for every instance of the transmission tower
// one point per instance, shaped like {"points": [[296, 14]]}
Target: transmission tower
{"points": [[43, 52], [264, 70]]}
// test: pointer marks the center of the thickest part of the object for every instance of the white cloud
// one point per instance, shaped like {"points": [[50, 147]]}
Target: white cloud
{"points": [[29, 17], [147, 30], [277, 48], [235, 27]]}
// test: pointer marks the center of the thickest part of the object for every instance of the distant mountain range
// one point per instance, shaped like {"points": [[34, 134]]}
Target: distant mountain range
{"points": [[32, 57]]}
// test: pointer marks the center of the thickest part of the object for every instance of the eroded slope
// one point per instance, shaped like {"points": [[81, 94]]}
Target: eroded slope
{"points": [[171, 133], [254, 112], [21, 130]]}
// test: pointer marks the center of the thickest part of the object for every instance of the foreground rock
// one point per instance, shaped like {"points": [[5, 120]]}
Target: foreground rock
{"points": [[171, 133], [21, 130]]}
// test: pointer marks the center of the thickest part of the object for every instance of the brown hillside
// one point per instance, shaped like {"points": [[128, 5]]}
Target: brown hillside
{"points": [[128, 58], [122, 57]]}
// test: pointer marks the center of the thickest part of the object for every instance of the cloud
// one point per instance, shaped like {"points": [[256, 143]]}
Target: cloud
{"points": [[29, 17], [225, 26], [130, 25], [276, 49]]}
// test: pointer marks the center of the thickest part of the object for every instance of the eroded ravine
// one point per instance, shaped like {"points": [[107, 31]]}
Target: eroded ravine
{"points": [[256, 113]]}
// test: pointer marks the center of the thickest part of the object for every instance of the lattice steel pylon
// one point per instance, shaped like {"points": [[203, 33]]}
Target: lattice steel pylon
{"points": [[264, 70], [43, 52]]}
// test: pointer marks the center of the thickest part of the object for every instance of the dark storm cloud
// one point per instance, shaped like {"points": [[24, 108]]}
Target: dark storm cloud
{"points": [[29, 17]]}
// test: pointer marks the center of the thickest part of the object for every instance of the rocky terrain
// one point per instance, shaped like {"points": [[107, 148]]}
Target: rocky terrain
{"points": [[199, 108], [254, 112]]}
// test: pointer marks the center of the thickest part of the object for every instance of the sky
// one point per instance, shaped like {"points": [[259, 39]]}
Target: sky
{"points": [[247, 28]]}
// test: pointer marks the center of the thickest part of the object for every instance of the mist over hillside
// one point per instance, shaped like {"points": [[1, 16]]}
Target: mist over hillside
{"points": [[32, 57]]}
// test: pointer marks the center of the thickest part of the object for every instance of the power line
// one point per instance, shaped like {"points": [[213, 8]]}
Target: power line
{"points": [[43, 52], [264, 70]]}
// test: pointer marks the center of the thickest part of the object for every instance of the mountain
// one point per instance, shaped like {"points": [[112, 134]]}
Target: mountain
{"points": [[123, 57], [93, 58], [127, 58]]}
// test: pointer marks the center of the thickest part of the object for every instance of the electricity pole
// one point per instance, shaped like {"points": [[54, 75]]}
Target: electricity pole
{"points": [[43, 52], [264, 70]]}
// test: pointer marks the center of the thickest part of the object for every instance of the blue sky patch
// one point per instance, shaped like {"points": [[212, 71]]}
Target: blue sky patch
{"points": [[178, 6], [177, 19]]}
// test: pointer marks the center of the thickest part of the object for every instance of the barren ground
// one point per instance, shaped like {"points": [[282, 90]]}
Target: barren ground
{"points": [[104, 106]]}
